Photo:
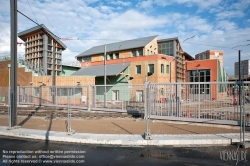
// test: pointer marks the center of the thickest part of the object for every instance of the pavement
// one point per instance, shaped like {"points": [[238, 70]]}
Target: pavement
{"points": [[118, 131], [47, 153]]}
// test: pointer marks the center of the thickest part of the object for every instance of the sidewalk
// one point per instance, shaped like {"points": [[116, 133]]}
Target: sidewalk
{"points": [[121, 131], [124, 139]]}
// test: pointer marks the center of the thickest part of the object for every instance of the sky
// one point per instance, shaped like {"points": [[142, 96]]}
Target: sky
{"points": [[199, 25]]}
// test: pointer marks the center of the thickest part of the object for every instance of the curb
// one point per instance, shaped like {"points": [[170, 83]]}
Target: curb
{"points": [[123, 139]]}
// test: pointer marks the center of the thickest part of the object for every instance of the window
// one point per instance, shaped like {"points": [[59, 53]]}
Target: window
{"points": [[49, 66], [168, 69], [59, 49], [49, 48], [138, 69], [116, 55], [68, 91], [59, 55], [58, 62], [151, 68], [166, 48], [140, 52], [49, 54], [87, 58], [162, 68], [148, 52], [49, 41], [110, 56], [199, 76], [36, 91], [133, 53], [139, 95]]}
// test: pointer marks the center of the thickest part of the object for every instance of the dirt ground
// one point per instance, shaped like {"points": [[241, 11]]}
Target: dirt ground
{"points": [[114, 126]]}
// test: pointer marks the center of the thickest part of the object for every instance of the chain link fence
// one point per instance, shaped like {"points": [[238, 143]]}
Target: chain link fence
{"points": [[169, 108]]}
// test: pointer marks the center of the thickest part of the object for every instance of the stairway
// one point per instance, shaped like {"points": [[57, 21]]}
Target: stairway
{"points": [[30, 68]]}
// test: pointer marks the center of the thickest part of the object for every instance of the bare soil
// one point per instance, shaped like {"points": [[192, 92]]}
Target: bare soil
{"points": [[114, 126]]}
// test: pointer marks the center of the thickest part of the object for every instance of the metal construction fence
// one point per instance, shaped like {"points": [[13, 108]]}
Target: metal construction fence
{"points": [[226, 103], [174, 101]]}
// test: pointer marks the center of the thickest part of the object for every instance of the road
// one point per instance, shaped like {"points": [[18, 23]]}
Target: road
{"points": [[116, 155]]}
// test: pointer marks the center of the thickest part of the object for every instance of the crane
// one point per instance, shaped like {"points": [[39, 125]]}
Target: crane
{"points": [[69, 38]]}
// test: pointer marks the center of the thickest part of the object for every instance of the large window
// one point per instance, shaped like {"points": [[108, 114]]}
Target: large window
{"points": [[87, 59], [199, 76], [162, 68], [140, 52], [133, 53], [110, 56], [116, 55], [138, 69], [68, 91], [151, 68], [166, 48]]}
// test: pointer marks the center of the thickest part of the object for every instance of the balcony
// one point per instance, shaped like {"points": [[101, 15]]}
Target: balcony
{"points": [[59, 68]]}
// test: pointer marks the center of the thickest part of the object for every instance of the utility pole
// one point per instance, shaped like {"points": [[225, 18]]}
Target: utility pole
{"points": [[105, 90], [53, 73], [239, 82], [13, 52]]}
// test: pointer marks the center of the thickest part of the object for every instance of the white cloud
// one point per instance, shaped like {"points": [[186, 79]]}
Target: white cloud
{"points": [[227, 25], [122, 3], [201, 4], [91, 19]]}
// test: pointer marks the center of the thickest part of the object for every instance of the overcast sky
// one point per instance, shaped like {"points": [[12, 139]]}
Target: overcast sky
{"points": [[215, 24]]}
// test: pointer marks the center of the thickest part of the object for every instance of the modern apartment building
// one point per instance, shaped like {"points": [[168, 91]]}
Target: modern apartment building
{"points": [[244, 69], [43, 50], [139, 57]]}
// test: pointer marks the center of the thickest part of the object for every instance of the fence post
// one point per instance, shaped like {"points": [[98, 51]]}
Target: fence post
{"points": [[18, 88], [94, 96], [145, 99], [199, 95], [9, 107], [147, 134], [88, 97], [70, 131], [40, 96]]}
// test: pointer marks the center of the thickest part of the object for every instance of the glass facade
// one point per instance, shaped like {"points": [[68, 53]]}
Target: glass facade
{"points": [[200, 76], [166, 48]]}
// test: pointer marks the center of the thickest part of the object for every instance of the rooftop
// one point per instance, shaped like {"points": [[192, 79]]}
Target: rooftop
{"points": [[44, 29], [123, 45]]}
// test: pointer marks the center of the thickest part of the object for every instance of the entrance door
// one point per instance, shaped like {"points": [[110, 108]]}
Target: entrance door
{"points": [[115, 95], [139, 95]]}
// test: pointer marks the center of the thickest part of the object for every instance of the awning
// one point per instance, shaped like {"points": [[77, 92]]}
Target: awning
{"points": [[111, 70]]}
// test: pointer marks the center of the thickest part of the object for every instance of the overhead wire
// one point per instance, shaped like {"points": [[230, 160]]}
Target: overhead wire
{"points": [[32, 10], [231, 13], [45, 16]]}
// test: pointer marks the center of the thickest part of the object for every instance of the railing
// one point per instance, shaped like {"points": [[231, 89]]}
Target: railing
{"points": [[4, 58], [39, 71]]}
